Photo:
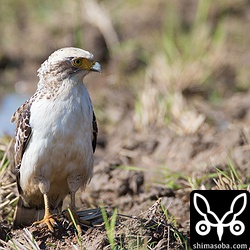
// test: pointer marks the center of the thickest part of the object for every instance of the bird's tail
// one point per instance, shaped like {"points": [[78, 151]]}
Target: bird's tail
{"points": [[25, 216]]}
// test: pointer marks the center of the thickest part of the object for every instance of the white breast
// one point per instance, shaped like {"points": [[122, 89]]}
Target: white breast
{"points": [[61, 143]]}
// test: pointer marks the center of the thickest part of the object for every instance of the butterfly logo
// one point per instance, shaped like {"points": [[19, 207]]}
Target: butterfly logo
{"points": [[203, 227]]}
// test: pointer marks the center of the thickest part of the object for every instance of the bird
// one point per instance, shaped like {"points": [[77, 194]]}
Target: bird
{"points": [[55, 138]]}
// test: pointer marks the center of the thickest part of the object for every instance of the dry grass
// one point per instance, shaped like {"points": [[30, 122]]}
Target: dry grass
{"points": [[28, 242], [231, 179], [8, 194], [185, 61]]}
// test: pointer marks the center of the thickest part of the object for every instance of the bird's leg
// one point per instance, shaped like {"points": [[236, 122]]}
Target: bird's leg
{"points": [[48, 218], [77, 219]]}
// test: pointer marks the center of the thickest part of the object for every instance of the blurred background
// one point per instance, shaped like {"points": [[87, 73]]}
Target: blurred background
{"points": [[171, 69], [172, 103], [174, 72], [164, 61]]}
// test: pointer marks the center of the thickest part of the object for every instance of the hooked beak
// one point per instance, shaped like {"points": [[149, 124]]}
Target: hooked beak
{"points": [[96, 67]]}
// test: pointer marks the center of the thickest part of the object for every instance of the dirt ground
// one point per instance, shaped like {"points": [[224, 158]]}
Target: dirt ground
{"points": [[163, 129]]}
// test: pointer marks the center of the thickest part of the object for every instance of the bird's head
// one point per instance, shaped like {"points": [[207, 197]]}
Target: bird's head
{"points": [[68, 63]]}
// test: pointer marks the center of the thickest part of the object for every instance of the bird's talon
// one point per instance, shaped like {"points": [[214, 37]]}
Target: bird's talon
{"points": [[49, 221]]}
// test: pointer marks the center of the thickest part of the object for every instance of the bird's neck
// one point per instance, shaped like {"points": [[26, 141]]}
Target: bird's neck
{"points": [[56, 87]]}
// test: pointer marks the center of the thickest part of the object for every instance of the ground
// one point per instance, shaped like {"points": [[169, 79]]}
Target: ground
{"points": [[172, 107]]}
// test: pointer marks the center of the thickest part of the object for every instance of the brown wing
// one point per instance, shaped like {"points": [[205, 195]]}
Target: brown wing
{"points": [[95, 132], [23, 131]]}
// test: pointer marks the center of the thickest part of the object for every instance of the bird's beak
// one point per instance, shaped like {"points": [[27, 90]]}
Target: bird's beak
{"points": [[96, 67]]}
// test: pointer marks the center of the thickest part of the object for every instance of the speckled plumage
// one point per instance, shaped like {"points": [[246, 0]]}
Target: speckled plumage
{"points": [[56, 134]]}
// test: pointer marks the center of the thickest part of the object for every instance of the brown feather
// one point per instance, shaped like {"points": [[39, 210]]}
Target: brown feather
{"points": [[23, 131], [23, 216]]}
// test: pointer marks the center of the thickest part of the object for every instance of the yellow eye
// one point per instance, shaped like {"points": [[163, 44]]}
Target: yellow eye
{"points": [[77, 62], [82, 63]]}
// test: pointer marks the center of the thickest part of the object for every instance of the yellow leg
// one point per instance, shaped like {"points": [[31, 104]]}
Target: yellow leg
{"points": [[48, 218]]}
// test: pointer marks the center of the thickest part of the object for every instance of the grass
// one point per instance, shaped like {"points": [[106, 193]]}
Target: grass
{"points": [[129, 168], [110, 226], [185, 59], [78, 230], [199, 182], [230, 179], [8, 194], [28, 242], [171, 179], [5, 149], [224, 178]]}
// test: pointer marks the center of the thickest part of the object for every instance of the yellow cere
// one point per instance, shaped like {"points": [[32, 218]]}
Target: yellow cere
{"points": [[82, 63]]}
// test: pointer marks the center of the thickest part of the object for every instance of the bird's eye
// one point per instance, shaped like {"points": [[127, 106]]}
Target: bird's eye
{"points": [[82, 63], [77, 62]]}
